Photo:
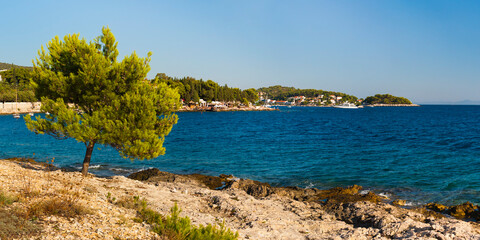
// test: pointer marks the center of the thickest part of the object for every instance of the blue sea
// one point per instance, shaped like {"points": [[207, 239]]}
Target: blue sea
{"points": [[421, 154]]}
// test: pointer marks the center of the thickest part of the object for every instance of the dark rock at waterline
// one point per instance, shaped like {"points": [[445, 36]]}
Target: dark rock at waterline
{"points": [[337, 201], [144, 174], [436, 207], [462, 211], [260, 190], [399, 202], [155, 175], [251, 187], [465, 210], [211, 181]]}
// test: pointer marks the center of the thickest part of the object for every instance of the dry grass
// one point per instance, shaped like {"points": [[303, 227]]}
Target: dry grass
{"points": [[65, 206], [14, 226], [22, 208], [7, 199], [128, 202], [28, 189]]}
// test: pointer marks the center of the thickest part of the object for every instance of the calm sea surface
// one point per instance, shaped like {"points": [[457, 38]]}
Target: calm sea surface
{"points": [[422, 154]]}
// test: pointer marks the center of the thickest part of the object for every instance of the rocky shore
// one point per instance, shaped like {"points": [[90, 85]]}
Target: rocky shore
{"points": [[28, 107], [256, 210]]}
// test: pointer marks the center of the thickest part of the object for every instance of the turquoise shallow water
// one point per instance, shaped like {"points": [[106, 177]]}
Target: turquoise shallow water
{"points": [[423, 154]]}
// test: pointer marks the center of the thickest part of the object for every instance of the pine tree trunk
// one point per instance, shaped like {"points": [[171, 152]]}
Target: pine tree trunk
{"points": [[88, 156]]}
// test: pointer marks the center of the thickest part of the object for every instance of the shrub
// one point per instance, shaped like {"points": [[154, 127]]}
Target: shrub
{"points": [[13, 226], [7, 199], [174, 227], [127, 202], [65, 206]]}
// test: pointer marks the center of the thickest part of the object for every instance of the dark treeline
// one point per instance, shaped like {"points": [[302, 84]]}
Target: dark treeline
{"points": [[191, 89], [16, 82], [283, 93], [386, 99], [9, 66]]}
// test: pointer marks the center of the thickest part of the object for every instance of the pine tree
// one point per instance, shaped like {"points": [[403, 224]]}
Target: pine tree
{"points": [[96, 100]]}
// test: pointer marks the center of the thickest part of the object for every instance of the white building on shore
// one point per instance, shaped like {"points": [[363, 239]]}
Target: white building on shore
{"points": [[3, 70]]}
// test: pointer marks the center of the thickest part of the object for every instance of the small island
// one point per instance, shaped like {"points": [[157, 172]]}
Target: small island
{"points": [[387, 100]]}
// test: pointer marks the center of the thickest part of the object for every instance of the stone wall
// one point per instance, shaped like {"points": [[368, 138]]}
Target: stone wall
{"points": [[20, 107]]}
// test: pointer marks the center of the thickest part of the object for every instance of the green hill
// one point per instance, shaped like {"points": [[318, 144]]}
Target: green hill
{"points": [[283, 93], [19, 85], [386, 99], [9, 66], [191, 89]]}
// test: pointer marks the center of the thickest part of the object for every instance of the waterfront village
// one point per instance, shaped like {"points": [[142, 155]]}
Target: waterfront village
{"points": [[17, 95], [263, 103]]}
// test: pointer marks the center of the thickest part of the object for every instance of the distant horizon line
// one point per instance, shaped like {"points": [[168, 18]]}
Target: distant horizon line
{"points": [[463, 102]]}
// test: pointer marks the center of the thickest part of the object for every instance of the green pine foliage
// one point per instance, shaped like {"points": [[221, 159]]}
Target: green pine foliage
{"points": [[94, 99], [191, 89], [283, 93], [386, 99], [174, 227]]}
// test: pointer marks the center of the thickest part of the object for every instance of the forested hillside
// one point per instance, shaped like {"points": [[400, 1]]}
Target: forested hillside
{"points": [[283, 93], [191, 89], [9, 65], [16, 84], [386, 99]]}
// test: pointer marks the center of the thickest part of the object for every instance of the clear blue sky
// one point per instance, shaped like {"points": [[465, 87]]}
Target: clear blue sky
{"points": [[427, 51]]}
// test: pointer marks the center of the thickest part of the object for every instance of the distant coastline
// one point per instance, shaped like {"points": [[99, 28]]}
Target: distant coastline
{"points": [[226, 109], [34, 107], [360, 106], [459, 103]]}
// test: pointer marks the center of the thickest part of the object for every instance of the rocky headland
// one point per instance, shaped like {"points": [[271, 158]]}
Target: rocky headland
{"points": [[256, 210]]}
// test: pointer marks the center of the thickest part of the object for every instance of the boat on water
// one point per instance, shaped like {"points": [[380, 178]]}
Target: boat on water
{"points": [[346, 105], [16, 115]]}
